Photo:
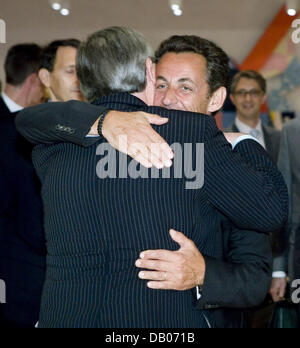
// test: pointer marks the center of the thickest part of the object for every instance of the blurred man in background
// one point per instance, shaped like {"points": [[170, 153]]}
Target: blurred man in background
{"points": [[58, 70], [248, 94], [22, 244], [289, 165]]}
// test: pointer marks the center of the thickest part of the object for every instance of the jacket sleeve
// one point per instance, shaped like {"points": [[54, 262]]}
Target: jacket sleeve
{"points": [[51, 123], [243, 279], [245, 184]]}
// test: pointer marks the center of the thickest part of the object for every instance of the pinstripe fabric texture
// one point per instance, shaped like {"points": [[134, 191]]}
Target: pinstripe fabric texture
{"points": [[96, 228]]}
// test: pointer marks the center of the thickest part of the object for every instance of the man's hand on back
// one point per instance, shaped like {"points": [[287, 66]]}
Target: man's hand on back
{"points": [[132, 134], [180, 270]]}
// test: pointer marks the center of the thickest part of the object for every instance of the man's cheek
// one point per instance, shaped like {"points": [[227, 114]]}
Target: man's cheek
{"points": [[157, 99]]}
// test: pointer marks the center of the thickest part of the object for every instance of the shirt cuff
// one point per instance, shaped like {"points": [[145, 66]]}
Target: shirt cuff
{"points": [[242, 138], [278, 274], [198, 293]]}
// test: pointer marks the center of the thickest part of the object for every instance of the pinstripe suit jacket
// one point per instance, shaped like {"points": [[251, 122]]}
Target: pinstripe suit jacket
{"points": [[136, 217]]}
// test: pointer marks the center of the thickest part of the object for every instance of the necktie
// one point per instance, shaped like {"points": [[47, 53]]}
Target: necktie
{"points": [[255, 133]]}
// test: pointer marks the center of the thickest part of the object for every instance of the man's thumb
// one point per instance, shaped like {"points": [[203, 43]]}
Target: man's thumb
{"points": [[179, 238]]}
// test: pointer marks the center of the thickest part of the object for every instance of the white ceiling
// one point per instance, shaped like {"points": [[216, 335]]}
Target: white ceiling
{"points": [[236, 25]]}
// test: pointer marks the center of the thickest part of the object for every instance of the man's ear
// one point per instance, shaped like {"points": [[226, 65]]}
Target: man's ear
{"points": [[217, 100], [44, 76], [150, 71]]}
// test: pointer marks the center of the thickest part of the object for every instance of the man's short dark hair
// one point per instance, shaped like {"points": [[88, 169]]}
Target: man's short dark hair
{"points": [[49, 52], [21, 61], [252, 75], [217, 61]]}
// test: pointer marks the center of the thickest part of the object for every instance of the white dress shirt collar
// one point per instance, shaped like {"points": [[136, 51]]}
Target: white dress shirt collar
{"points": [[243, 128], [11, 105]]}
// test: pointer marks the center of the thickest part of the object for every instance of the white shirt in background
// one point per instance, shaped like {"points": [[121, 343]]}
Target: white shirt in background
{"points": [[11, 105], [257, 132]]}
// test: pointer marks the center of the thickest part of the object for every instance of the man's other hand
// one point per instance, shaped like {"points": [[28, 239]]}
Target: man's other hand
{"points": [[181, 270], [278, 288], [132, 134]]}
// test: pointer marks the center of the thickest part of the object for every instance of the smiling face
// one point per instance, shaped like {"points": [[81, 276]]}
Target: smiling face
{"points": [[181, 82], [248, 99]]}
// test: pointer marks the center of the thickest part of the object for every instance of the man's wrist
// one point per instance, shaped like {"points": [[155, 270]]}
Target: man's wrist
{"points": [[278, 275]]}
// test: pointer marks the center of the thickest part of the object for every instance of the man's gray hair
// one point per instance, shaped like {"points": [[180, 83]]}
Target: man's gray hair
{"points": [[112, 60]]}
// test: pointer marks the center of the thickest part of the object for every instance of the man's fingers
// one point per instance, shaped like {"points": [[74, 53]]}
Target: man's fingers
{"points": [[282, 291], [161, 285], [142, 155], [155, 119], [142, 160], [154, 265], [161, 276], [162, 255], [157, 140]]}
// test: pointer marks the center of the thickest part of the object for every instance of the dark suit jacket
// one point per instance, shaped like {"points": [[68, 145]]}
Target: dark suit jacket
{"points": [[48, 160], [272, 139], [22, 242]]}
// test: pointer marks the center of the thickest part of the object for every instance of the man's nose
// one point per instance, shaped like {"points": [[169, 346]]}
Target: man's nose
{"points": [[169, 98], [248, 96]]}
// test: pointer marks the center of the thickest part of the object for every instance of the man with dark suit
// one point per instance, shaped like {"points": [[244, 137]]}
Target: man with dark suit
{"points": [[289, 165], [42, 166], [22, 242], [248, 94]]}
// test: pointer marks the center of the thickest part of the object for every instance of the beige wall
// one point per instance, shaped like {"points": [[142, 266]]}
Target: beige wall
{"points": [[236, 25]]}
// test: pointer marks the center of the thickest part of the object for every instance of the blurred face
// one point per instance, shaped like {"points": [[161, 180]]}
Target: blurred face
{"points": [[181, 82], [62, 82], [248, 99]]}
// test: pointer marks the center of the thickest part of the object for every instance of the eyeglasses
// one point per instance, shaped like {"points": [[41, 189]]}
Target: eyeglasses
{"points": [[254, 93]]}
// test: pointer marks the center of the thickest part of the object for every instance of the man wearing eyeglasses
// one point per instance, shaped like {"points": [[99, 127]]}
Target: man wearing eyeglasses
{"points": [[248, 94]]}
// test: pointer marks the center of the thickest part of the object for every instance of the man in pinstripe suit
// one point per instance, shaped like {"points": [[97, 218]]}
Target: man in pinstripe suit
{"points": [[260, 262]]}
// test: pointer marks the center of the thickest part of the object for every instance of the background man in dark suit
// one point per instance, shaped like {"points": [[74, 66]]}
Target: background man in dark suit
{"points": [[248, 94], [22, 244], [289, 165], [217, 104]]}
